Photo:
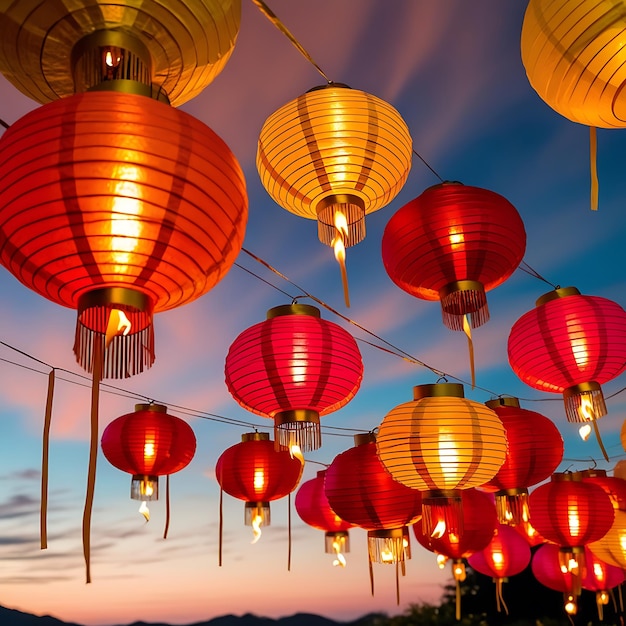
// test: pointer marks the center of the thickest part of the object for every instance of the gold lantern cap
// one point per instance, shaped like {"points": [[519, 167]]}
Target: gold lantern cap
{"points": [[362, 439], [292, 309], [157, 408], [560, 292], [503, 401], [255, 436], [438, 390]]}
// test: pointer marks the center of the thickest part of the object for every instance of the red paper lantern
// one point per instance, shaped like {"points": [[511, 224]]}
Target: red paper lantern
{"points": [[601, 578], [546, 567], [294, 367], [534, 451], [571, 513], [119, 206], [362, 492], [441, 443], [614, 486], [507, 554], [148, 443], [313, 508], [570, 344], [453, 243], [257, 473]]}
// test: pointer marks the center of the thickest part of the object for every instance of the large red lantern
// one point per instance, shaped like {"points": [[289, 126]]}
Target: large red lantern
{"points": [[453, 243], [257, 473], [614, 486], [571, 513], [148, 443], [294, 367], [441, 443], [362, 492], [601, 578], [534, 451], [507, 554], [119, 206], [570, 344], [314, 509]]}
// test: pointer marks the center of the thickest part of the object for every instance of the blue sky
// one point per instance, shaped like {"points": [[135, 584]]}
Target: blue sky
{"points": [[453, 70]]}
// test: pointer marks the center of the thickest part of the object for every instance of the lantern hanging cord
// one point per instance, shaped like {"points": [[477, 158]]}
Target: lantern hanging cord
{"points": [[3, 123], [423, 160], [274, 19], [267, 282], [529, 270]]}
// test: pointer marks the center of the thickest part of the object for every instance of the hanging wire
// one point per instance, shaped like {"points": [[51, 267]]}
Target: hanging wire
{"points": [[272, 17], [423, 160], [3, 123], [532, 272]]}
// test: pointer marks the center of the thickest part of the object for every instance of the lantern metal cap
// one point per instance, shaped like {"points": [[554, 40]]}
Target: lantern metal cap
{"points": [[504, 401], [561, 292], [592, 473], [157, 408], [364, 438], [565, 476], [438, 390], [255, 436], [111, 296], [293, 309], [329, 85]]}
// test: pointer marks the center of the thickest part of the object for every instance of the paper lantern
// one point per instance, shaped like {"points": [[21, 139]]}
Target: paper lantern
{"points": [[362, 492], [601, 578], [335, 154], [188, 42], [570, 344], [614, 486], [119, 206], [571, 513], [313, 508], [534, 451], [611, 548], [148, 443], [257, 473], [546, 567], [506, 555], [453, 243], [294, 367], [441, 443], [575, 60]]}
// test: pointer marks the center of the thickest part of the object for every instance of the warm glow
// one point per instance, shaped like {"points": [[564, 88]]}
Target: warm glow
{"points": [[338, 546], [149, 450], [448, 458], [125, 210], [439, 530], [298, 369], [584, 431], [498, 558], [570, 605], [259, 480], [144, 510], [572, 566], [573, 520], [458, 571], [387, 556], [586, 410], [257, 520], [296, 452], [598, 572], [456, 238], [108, 59], [117, 325], [602, 597], [148, 489], [441, 561], [580, 351]]}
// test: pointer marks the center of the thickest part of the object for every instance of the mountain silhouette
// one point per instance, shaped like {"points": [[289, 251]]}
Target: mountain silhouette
{"points": [[13, 617]]}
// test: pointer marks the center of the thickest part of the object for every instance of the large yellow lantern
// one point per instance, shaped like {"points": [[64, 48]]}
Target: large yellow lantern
{"points": [[335, 154], [441, 443]]}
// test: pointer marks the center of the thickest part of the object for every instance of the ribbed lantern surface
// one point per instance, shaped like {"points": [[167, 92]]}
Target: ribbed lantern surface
{"points": [[362, 492], [294, 367], [507, 554], [314, 509], [611, 548], [614, 486], [570, 344], [254, 471], [148, 443], [547, 570], [188, 41], [573, 53], [117, 201], [534, 451], [441, 443], [453, 243]]}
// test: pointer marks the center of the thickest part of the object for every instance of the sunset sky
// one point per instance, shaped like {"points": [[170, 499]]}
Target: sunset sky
{"points": [[452, 68]]}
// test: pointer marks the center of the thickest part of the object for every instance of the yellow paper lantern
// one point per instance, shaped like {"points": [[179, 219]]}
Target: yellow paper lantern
{"points": [[441, 443], [335, 154], [187, 41], [575, 59], [612, 547]]}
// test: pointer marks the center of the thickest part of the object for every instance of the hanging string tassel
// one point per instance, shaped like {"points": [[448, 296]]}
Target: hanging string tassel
{"points": [[500, 603], [289, 532], [467, 329], [221, 529], [93, 455], [458, 601], [371, 570], [167, 506], [43, 511], [398, 583], [596, 430], [593, 161]]}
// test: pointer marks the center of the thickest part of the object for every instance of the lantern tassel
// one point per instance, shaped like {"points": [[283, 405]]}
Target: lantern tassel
{"points": [[458, 601], [596, 430], [371, 570], [93, 454], [221, 528], [43, 512], [289, 532], [470, 346], [593, 161], [398, 583], [599, 606], [500, 596], [167, 506]]}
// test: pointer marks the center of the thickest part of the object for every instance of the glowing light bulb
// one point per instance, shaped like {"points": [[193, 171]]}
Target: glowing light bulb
{"points": [[145, 511], [339, 248], [257, 520]]}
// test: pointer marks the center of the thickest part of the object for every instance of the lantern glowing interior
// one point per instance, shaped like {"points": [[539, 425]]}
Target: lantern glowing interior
{"points": [[335, 154], [294, 367], [453, 243], [570, 344], [441, 443]]}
